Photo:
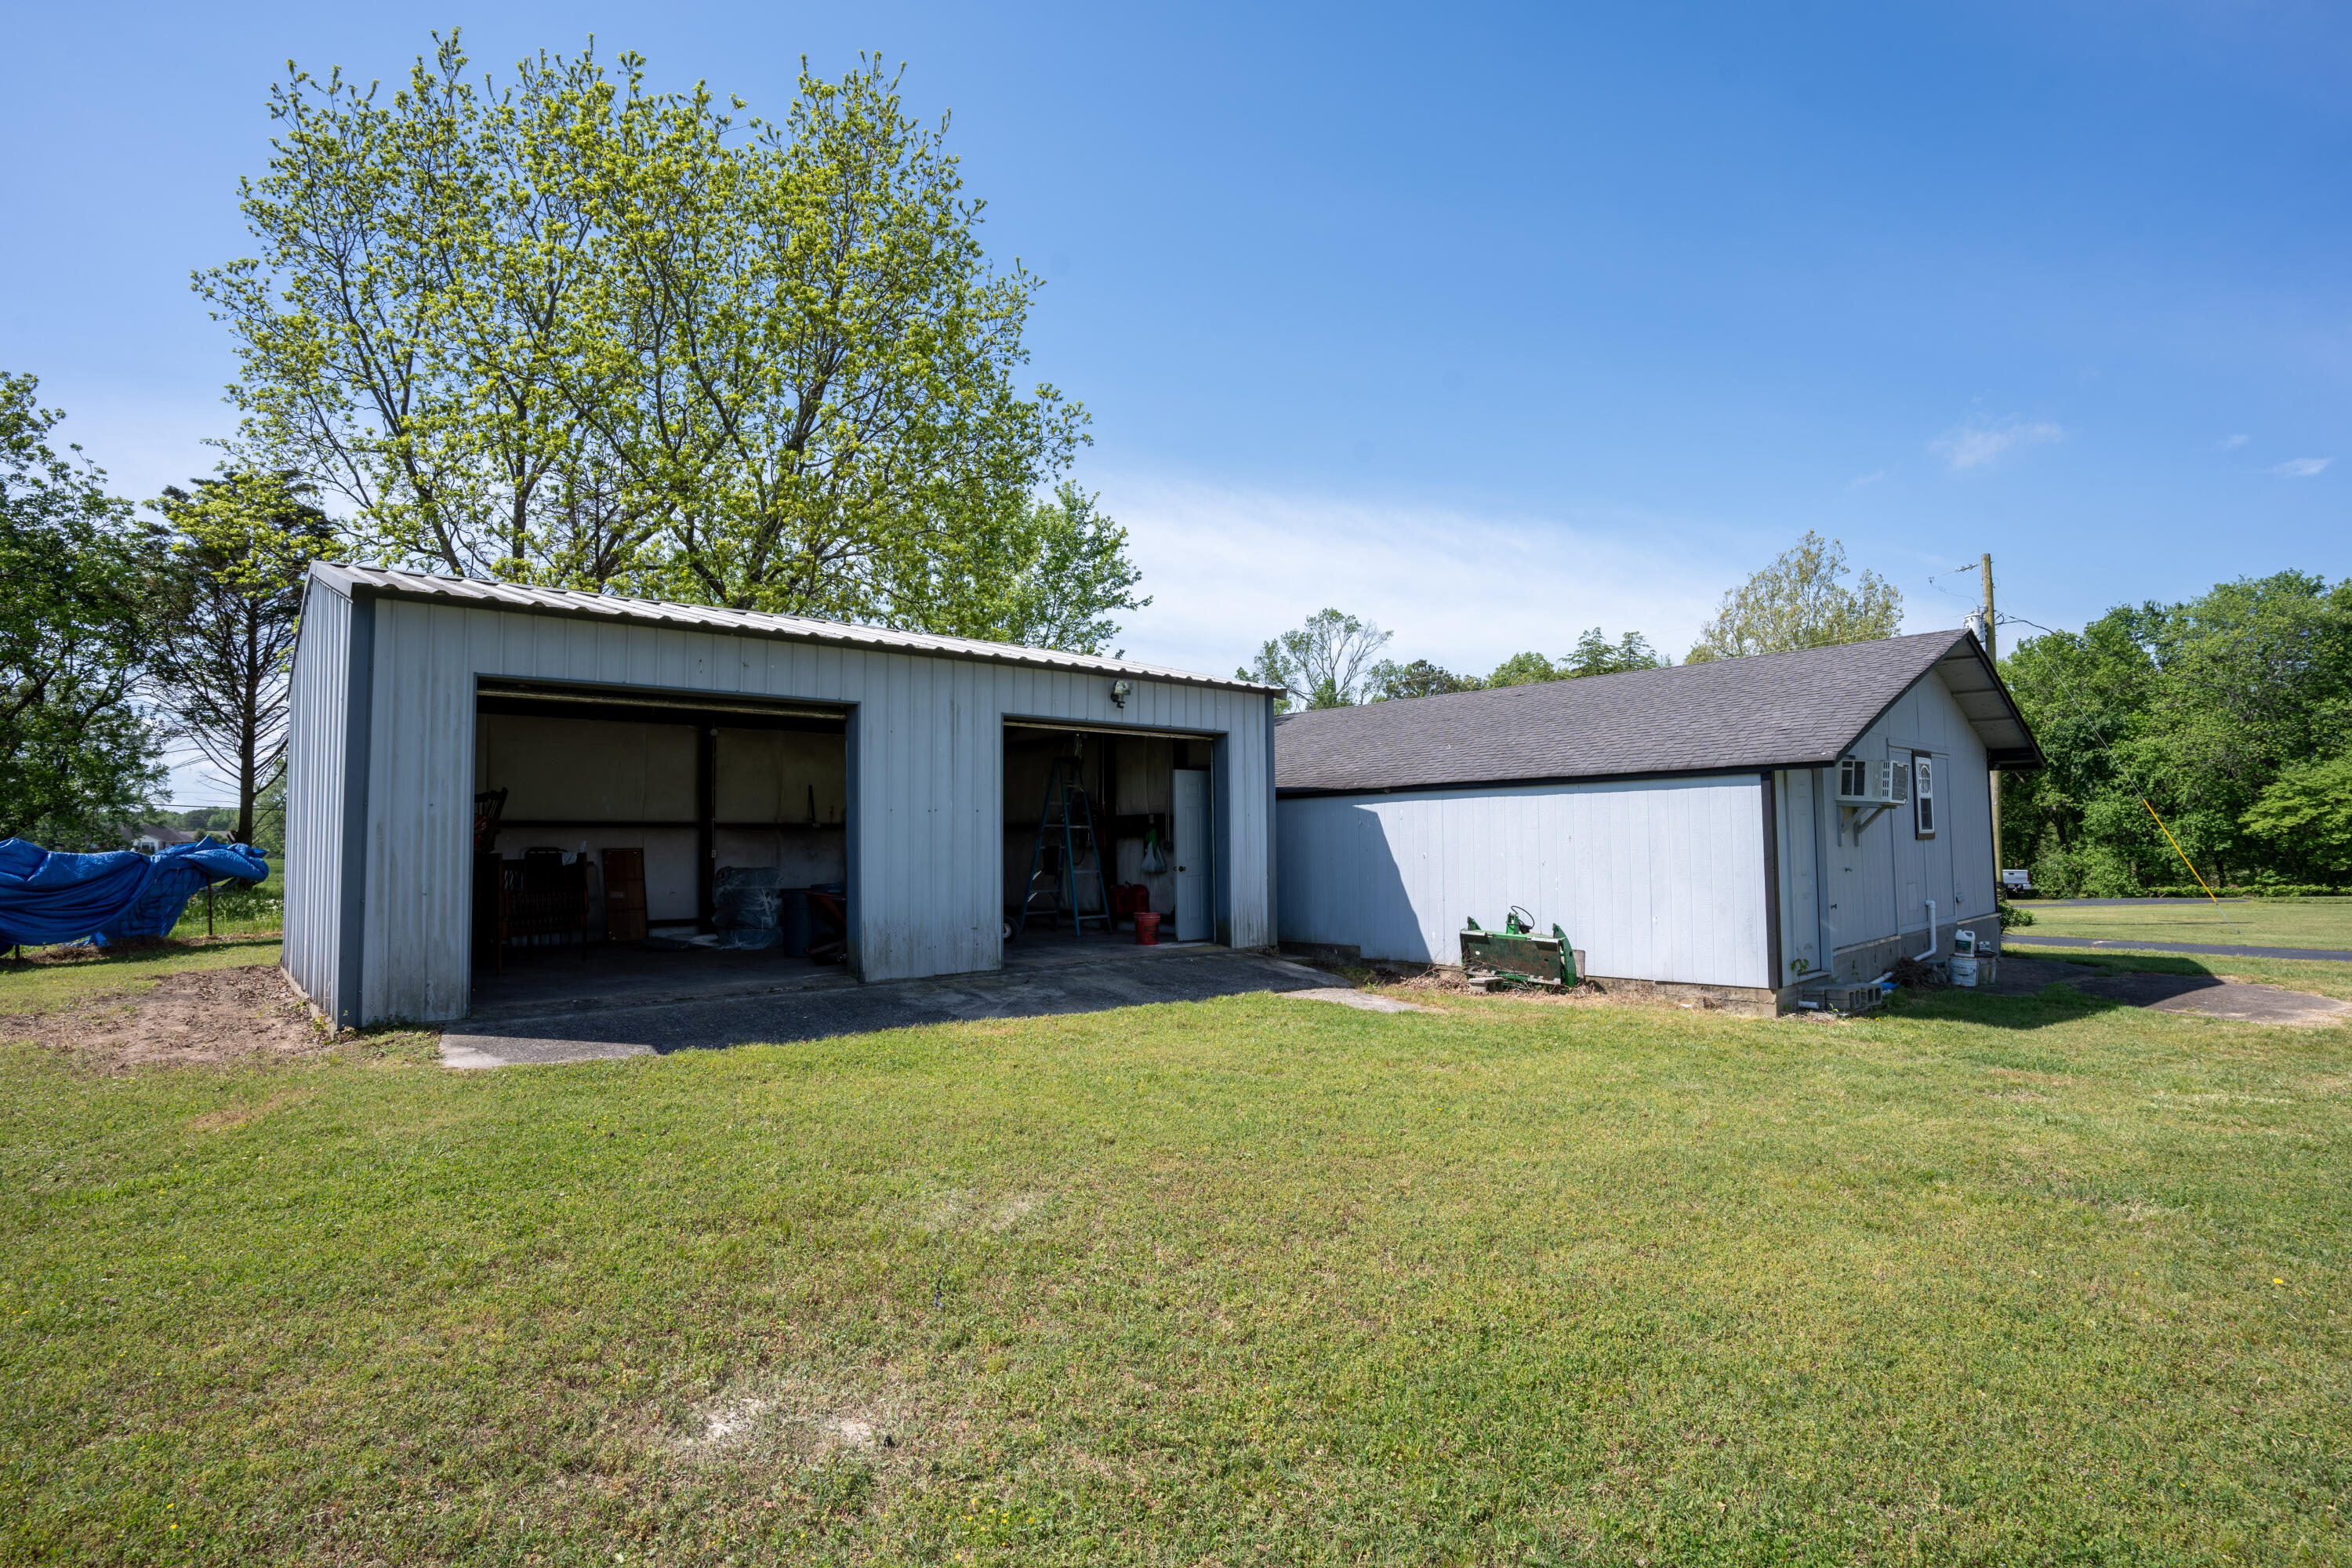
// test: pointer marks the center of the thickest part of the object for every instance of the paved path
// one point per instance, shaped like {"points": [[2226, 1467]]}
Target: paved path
{"points": [[2209, 994], [2115, 903], [605, 1034], [2024, 939]]}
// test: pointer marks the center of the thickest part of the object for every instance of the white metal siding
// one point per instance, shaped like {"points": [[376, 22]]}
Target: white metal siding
{"points": [[928, 776], [317, 742], [1876, 884], [1799, 863], [1655, 878]]}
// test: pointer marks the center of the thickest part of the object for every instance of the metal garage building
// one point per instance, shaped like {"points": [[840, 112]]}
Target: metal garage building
{"points": [[1735, 829], [904, 768]]}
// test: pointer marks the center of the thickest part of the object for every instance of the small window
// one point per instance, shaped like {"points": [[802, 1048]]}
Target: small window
{"points": [[1923, 794]]}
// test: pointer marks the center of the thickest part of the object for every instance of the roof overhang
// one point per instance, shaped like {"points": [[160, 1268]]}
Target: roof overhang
{"points": [[1968, 673]]}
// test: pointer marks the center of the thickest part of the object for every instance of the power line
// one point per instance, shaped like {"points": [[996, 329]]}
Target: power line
{"points": [[2137, 787]]}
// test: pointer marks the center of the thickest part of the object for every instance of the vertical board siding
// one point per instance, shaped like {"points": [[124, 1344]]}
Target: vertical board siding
{"points": [[928, 896], [317, 739], [1802, 954], [1876, 885], [1655, 878]]}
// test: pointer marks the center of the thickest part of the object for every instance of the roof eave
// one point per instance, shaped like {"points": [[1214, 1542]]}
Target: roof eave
{"points": [[1732, 770], [1969, 654], [351, 586]]}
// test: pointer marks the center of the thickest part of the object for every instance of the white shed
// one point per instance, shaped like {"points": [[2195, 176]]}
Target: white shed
{"points": [[1685, 827], [642, 754]]}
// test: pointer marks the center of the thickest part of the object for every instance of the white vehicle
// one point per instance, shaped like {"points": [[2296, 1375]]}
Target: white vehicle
{"points": [[2016, 881]]}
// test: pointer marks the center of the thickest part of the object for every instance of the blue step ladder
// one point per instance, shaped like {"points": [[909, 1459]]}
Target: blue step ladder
{"points": [[1067, 826]]}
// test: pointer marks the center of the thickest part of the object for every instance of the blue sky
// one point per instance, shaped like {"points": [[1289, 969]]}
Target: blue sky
{"points": [[1489, 322]]}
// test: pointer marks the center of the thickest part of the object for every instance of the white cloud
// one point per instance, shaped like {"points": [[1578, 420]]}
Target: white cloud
{"points": [[1871, 478], [1229, 568], [1973, 444], [2230, 444], [2302, 467]]}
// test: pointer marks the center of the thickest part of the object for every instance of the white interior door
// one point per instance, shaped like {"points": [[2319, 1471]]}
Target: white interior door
{"points": [[1191, 848]]}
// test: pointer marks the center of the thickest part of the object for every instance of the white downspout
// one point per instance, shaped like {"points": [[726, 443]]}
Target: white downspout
{"points": [[1923, 957]]}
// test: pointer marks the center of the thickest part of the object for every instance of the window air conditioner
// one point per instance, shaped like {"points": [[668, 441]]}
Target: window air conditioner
{"points": [[1872, 781]]}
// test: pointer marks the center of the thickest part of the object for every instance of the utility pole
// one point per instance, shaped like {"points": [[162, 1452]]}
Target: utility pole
{"points": [[1992, 652]]}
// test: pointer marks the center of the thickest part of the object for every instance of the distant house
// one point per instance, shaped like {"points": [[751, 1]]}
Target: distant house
{"points": [[149, 839], [1727, 832]]}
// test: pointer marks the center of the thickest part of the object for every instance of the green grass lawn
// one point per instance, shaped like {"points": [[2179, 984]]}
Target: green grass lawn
{"points": [[2237, 922], [237, 910], [1985, 1282]]}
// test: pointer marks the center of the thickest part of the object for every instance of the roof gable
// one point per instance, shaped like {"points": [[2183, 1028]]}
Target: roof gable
{"points": [[1770, 711]]}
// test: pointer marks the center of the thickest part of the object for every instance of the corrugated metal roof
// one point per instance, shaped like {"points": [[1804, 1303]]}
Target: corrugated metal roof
{"points": [[1770, 710], [361, 582]]}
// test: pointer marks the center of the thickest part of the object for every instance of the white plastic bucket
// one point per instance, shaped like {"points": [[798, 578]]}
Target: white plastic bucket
{"points": [[1964, 969]]}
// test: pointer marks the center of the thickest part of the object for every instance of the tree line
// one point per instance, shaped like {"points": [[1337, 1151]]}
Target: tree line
{"points": [[120, 635], [2228, 714], [1800, 600]]}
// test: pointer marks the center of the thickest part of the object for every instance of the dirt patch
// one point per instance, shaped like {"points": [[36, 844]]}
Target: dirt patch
{"points": [[1450, 982], [787, 1420], [202, 1016], [958, 1209], [76, 952]]}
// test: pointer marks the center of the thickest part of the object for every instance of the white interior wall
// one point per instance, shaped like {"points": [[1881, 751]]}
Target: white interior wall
{"points": [[780, 775], [616, 773], [586, 770], [801, 856]]}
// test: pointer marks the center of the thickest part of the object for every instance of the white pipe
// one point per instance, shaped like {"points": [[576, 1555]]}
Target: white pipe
{"points": [[1923, 957]]}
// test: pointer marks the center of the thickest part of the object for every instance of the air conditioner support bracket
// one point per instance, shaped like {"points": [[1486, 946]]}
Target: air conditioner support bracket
{"points": [[1869, 814]]}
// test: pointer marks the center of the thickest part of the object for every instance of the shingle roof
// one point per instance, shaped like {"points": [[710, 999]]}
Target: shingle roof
{"points": [[1770, 711], [384, 582]]}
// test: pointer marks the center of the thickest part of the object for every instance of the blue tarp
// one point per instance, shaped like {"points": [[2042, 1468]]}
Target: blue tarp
{"points": [[48, 897]]}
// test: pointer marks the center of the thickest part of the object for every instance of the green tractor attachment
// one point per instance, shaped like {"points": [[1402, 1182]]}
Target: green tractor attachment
{"points": [[1517, 955]]}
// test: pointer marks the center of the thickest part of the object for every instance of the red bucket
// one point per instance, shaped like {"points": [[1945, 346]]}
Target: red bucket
{"points": [[1147, 929]]}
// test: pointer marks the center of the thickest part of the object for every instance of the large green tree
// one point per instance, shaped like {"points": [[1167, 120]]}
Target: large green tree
{"points": [[1801, 600], [1327, 662], [2305, 820], [78, 757], [569, 330], [2220, 711], [1392, 680], [1594, 654], [239, 549]]}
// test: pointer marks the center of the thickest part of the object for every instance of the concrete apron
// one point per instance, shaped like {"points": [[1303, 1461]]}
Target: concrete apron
{"points": [[1066, 985]]}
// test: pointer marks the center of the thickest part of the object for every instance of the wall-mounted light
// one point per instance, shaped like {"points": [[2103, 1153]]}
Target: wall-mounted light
{"points": [[1119, 692]]}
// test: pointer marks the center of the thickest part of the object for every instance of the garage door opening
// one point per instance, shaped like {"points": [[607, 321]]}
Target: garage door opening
{"points": [[637, 845], [1101, 827]]}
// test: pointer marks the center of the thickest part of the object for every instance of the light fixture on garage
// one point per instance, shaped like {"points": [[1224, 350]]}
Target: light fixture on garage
{"points": [[1120, 691]]}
